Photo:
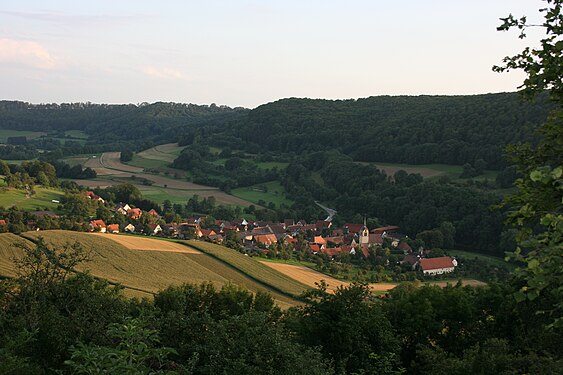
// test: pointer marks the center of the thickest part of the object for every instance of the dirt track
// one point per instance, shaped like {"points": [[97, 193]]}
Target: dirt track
{"points": [[310, 277], [151, 244]]}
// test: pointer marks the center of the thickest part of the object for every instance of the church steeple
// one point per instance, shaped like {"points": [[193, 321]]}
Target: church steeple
{"points": [[364, 233]]}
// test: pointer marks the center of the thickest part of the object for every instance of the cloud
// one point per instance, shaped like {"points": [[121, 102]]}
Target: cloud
{"points": [[165, 73], [27, 53]]}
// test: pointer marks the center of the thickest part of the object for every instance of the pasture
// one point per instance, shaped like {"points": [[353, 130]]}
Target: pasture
{"points": [[271, 191], [42, 199], [430, 170]]}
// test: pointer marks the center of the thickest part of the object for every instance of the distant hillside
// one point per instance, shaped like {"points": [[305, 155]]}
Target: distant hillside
{"points": [[154, 123], [399, 129]]}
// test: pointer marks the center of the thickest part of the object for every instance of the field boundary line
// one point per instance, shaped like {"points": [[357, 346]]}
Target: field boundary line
{"points": [[262, 282]]}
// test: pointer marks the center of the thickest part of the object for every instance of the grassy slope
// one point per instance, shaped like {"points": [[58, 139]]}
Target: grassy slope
{"points": [[493, 261], [275, 193], [40, 200], [251, 267], [141, 272]]}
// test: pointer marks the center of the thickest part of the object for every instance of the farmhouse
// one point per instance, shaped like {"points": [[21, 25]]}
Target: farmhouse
{"points": [[97, 225], [154, 229], [437, 266], [129, 228], [113, 228]]}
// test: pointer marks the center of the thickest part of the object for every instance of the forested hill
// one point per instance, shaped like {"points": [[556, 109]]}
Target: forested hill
{"points": [[401, 129], [105, 123]]}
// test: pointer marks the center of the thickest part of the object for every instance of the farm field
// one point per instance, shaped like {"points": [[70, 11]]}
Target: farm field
{"points": [[40, 200], [110, 168], [144, 243], [311, 277], [430, 170], [142, 273], [252, 268], [6, 133], [271, 191], [166, 152]]}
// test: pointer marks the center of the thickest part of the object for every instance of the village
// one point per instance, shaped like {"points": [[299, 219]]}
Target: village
{"points": [[262, 238]]}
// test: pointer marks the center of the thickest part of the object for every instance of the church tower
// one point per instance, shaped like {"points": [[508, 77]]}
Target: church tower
{"points": [[364, 234]]}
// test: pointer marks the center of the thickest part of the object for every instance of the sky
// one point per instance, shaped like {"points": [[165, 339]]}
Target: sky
{"points": [[247, 53]]}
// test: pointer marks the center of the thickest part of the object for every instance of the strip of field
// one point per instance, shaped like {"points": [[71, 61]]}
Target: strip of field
{"points": [[140, 272], [143, 243], [252, 268], [110, 168], [311, 277], [267, 192], [166, 152]]}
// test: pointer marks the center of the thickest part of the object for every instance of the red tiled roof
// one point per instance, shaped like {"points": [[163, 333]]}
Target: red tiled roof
{"points": [[353, 228], [113, 228], [319, 240], [404, 246], [98, 223], [266, 239], [315, 248], [2, 222], [332, 251], [435, 263], [389, 228]]}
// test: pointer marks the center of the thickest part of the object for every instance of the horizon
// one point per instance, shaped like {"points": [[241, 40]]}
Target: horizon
{"points": [[248, 53]]}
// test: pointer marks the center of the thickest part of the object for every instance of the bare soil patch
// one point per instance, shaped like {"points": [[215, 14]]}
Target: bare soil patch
{"points": [[141, 243]]}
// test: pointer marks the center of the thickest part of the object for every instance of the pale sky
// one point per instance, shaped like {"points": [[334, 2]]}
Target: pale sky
{"points": [[246, 53]]}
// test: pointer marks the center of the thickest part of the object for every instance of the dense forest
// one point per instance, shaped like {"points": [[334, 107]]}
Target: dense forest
{"points": [[400, 129], [116, 126]]}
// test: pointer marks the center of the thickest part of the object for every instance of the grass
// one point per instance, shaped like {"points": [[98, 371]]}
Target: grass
{"points": [[275, 193], [431, 170], [142, 273], [252, 268], [143, 162], [291, 261], [493, 261], [6, 133], [40, 200]]}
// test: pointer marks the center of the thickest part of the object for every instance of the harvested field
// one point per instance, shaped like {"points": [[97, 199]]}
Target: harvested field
{"points": [[144, 243], [8, 252], [311, 277], [142, 273], [252, 268]]}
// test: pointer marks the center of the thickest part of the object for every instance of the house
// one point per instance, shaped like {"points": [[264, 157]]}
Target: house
{"points": [[154, 214], [113, 228], [2, 222], [207, 233], [122, 208], [353, 228], [437, 266], [129, 228], [97, 225], [154, 229], [265, 239], [91, 195], [385, 230], [319, 240], [134, 213]]}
